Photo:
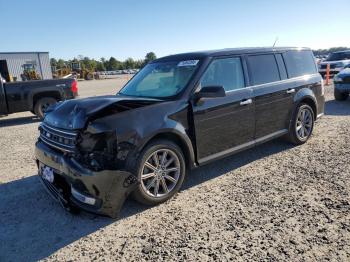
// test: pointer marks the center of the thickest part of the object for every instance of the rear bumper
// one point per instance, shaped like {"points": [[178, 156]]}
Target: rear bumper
{"points": [[108, 188]]}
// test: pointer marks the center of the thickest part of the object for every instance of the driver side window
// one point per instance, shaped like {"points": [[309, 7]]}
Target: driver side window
{"points": [[226, 72]]}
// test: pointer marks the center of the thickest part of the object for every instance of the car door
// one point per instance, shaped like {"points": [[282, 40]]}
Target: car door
{"points": [[273, 95], [224, 124]]}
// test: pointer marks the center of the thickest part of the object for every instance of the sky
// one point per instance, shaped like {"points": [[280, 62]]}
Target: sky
{"points": [[131, 28]]}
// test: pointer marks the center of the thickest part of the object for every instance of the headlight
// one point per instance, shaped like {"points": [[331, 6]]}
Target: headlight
{"points": [[337, 79]]}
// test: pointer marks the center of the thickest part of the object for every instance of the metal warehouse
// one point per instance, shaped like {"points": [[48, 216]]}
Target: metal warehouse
{"points": [[13, 65]]}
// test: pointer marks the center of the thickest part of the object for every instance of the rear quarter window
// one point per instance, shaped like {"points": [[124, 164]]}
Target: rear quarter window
{"points": [[299, 63], [263, 69]]}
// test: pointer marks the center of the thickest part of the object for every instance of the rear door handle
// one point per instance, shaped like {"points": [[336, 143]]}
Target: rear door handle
{"points": [[246, 102], [291, 91]]}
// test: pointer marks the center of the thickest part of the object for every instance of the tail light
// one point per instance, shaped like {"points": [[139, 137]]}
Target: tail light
{"points": [[74, 87]]}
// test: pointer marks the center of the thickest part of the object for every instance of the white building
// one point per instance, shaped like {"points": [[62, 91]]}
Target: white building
{"points": [[13, 64]]}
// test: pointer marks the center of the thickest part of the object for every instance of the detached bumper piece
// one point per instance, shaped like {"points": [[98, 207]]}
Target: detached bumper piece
{"points": [[102, 192]]}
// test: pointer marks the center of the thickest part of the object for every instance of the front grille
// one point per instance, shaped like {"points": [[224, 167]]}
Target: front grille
{"points": [[332, 66], [58, 138]]}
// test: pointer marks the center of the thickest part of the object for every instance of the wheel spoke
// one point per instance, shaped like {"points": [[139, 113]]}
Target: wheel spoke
{"points": [[164, 157], [170, 178], [146, 176], [150, 166], [156, 187], [298, 127], [155, 159], [164, 185], [169, 162], [171, 169], [151, 183]]}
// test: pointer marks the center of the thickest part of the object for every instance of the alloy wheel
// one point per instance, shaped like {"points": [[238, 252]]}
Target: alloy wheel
{"points": [[160, 173], [304, 123]]}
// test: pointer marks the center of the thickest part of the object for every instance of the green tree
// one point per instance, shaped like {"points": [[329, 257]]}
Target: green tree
{"points": [[113, 64], [129, 63], [100, 66], [149, 57], [61, 63], [53, 62]]}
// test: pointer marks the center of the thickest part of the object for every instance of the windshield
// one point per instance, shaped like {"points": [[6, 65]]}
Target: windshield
{"points": [[161, 79], [338, 56]]}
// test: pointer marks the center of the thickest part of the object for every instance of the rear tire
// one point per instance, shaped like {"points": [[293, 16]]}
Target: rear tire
{"points": [[302, 124], [42, 104], [339, 96], [160, 169]]}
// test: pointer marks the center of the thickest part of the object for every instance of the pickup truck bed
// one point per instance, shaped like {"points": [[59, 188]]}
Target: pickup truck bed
{"points": [[35, 96]]}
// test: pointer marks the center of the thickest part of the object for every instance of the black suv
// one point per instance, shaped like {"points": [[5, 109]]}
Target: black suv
{"points": [[178, 112]]}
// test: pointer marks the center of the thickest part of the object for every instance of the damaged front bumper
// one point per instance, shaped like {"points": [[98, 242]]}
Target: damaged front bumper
{"points": [[102, 192]]}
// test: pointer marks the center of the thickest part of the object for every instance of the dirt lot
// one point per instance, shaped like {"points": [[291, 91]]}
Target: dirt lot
{"points": [[274, 202]]}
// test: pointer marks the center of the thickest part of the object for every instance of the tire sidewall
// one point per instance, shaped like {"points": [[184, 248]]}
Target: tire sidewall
{"points": [[37, 108], [139, 194]]}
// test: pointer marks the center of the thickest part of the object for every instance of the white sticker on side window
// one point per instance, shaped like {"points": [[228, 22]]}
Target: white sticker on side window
{"points": [[188, 63]]}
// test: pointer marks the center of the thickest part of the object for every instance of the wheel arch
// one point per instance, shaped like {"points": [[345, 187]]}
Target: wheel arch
{"points": [[179, 139], [36, 97], [306, 96]]}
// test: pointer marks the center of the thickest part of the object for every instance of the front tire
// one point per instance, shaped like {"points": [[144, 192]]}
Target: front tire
{"points": [[42, 104], [339, 96], [302, 124], [160, 170]]}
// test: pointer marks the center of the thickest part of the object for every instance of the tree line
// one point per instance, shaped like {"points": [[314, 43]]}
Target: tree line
{"points": [[103, 64], [329, 50], [113, 64]]}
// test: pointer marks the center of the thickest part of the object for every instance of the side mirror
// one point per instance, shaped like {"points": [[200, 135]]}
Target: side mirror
{"points": [[211, 92]]}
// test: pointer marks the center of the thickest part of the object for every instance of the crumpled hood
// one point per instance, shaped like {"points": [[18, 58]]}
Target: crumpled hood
{"points": [[73, 114]]}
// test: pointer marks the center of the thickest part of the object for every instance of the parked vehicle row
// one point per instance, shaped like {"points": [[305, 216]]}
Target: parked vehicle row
{"points": [[337, 62], [119, 72], [179, 112]]}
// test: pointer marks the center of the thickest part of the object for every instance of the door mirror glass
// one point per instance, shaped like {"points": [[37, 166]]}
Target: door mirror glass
{"points": [[211, 92]]}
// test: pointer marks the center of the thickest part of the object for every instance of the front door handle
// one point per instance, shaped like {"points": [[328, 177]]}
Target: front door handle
{"points": [[246, 102], [291, 91]]}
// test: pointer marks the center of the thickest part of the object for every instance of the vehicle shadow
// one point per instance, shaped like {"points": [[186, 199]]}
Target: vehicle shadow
{"points": [[33, 226], [18, 121], [337, 108]]}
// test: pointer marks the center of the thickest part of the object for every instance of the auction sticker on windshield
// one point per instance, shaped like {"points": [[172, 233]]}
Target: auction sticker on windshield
{"points": [[188, 63]]}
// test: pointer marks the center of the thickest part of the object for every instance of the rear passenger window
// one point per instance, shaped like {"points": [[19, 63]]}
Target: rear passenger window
{"points": [[263, 69], [299, 63], [226, 72]]}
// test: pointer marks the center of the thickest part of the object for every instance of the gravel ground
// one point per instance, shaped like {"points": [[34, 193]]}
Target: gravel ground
{"points": [[274, 202]]}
